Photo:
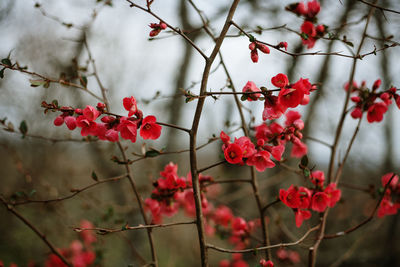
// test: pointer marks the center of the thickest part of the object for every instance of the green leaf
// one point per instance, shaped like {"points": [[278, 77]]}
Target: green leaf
{"points": [[83, 81], [304, 161], [23, 128], [6, 61], [55, 102], [152, 153], [306, 173], [94, 176], [36, 83], [2, 73], [251, 38], [243, 97], [32, 192]]}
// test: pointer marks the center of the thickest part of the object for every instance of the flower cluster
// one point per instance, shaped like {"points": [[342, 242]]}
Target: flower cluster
{"points": [[173, 193], [270, 141], [157, 28], [254, 46], [111, 125], [309, 31], [302, 199], [290, 96], [366, 100], [389, 205]]}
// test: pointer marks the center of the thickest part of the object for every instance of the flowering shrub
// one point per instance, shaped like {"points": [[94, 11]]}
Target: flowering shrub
{"points": [[273, 139]]}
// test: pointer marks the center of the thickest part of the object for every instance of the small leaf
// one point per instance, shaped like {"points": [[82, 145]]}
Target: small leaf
{"points": [[304, 161], [243, 97], [2, 73], [6, 61], [55, 103], [251, 38], [32, 192], [36, 83], [83, 81], [94, 176], [306, 173], [152, 153], [23, 128]]}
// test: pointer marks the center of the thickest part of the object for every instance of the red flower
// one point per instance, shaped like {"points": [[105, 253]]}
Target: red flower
{"points": [[246, 145], [290, 97], [223, 215], [130, 105], [251, 87], [272, 108], [320, 201], [254, 55], [261, 160], [376, 111], [299, 149], [280, 80], [318, 178], [91, 113], [127, 129], [59, 120], [263, 48], [387, 207], [313, 8], [70, 121], [265, 263], [301, 215], [356, 113], [150, 129], [308, 28], [233, 153], [290, 197], [88, 126], [333, 194]]}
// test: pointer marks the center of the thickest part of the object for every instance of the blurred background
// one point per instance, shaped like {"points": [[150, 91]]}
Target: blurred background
{"points": [[47, 39]]}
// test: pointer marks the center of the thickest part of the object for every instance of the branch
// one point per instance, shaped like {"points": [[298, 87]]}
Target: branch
{"points": [[104, 231], [33, 228], [252, 250], [75, 192], [176, 30], [51, 80], [379, 7], [352, 229]]}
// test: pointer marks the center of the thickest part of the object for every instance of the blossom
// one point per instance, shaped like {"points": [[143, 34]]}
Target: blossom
{"points": [[280, 80], [88, 126], [376, 111], [333, 194], [299, 149], [150, 129], [313, 8], [223, 215], [261, 160], [70, 121], [318, 178], [320, 201], [90, 113], [290, 197], [246, 145], [59, 120], [233, 153], [251, 87], [290, 97], [127, 129], [265, 263], [130, 105], [301, 215]]}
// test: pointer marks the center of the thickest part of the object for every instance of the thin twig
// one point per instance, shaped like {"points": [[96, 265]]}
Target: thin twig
{"points": [[104, 231], [37, 231], [75, 192], [252, 250]]}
